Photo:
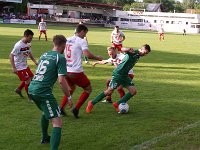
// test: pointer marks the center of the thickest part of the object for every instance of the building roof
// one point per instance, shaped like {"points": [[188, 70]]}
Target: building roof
{"points": [[153, 7], [76, 3]]}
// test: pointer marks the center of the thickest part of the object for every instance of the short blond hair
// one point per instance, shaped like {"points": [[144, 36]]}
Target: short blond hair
{"points": [[111, 48]]}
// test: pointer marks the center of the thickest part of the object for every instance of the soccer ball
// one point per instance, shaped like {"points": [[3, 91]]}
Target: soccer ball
{"points": [[123, 108]]}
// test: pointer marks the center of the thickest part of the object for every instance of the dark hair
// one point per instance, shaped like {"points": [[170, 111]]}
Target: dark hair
{"points": [[59, 40], [147, 47], [81, 27], [117, 27], [28, 32]]}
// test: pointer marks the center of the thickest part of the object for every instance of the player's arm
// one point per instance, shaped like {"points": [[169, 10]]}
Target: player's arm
{"points": [[124, 49], [88, 54], [33, 59], [65, 88], [100, 62], [11, 56]]}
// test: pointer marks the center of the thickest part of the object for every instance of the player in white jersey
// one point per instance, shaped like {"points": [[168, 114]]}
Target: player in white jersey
{"points": [[161, 33], [76, 46], [114, 59], [42, 27], [18, 59], [117, 37]]}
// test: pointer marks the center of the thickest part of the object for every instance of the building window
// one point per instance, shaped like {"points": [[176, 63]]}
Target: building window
{"points": [[192, 26], [172, 22], [167, 21], [197, 26], [186, 23], [155, 21], [180, 22]]}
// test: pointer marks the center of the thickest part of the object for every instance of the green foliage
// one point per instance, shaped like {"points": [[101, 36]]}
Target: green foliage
{"points": [[167, 82]]}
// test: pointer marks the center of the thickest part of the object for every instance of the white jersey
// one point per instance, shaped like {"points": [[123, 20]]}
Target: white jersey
{"points": [[116, 61], [73, 53], [21, 52], [42, 26], [160, 30], [117, 37]]}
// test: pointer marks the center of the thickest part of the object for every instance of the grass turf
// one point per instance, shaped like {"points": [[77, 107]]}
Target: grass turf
{"points": [[168, 86]]}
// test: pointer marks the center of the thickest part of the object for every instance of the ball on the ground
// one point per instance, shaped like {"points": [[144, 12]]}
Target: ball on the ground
{"points": [[123, 108]]}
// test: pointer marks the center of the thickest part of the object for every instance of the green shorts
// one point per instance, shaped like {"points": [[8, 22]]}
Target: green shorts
{"points": [[118, 80], [47, 104]]}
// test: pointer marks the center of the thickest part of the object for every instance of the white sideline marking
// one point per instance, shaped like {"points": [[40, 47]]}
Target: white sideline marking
{"points": [[152, 141]]}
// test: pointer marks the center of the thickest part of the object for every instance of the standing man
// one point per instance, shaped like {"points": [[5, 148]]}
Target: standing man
{"points": [[76, 47], [18, 59], [120, 77], [52, 66], [161, 33], [117, 37], [42, 27]]}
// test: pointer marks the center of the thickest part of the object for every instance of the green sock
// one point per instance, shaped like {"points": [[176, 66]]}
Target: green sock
{"points": [[125, 98], [44, 126], [98, 98], [55, 138], [85, 58]]}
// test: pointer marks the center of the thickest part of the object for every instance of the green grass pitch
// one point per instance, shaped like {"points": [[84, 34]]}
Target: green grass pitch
{"points": [[164, 114]]}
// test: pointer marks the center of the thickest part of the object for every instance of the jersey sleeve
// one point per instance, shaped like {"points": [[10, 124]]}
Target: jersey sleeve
{"points": [[15, 50], [62, 69], [84, 45]]}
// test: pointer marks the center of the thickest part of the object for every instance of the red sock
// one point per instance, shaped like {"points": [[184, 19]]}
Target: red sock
{"points": [[63, 102], [22, 84], [26, 88], [82, 99], [121, 92]]}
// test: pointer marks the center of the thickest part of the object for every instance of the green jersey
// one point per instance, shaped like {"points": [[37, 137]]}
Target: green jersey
{"points": [[51, 65], [127, 63]]}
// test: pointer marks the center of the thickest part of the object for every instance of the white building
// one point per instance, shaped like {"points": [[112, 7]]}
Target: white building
{"points": [[171, 22]]}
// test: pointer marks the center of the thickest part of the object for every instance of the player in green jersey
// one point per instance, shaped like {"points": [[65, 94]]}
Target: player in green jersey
{"points": [[120, 77], [52, 66]]}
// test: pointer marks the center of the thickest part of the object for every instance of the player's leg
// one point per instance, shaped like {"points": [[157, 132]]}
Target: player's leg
{"points": [[128, 83], [121, 91], [108, 97], [98, 98], [27, 82], [45, 35], [56, 133], [64, 100], [18, 90], [114, 83], [83, 82], [40, 35], [52, 111]]}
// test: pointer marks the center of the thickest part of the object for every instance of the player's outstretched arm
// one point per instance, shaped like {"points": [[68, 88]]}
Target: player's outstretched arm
{"points": [[124, 49], [65, 88], [100, 62], [88, 54]]}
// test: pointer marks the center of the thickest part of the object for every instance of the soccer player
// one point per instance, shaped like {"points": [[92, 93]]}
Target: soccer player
{"points": [[117, 37], [42, 27], [52, 66], [161, 33], [76, 46], [114, 59], [18, 59], [120, 77]]}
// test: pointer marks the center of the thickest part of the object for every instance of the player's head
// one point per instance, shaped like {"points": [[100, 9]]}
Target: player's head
{"points": [[81, 30], [144, 50], [28, 35], [116, 28], [42, 20], [112, 52], [59, 42]]}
